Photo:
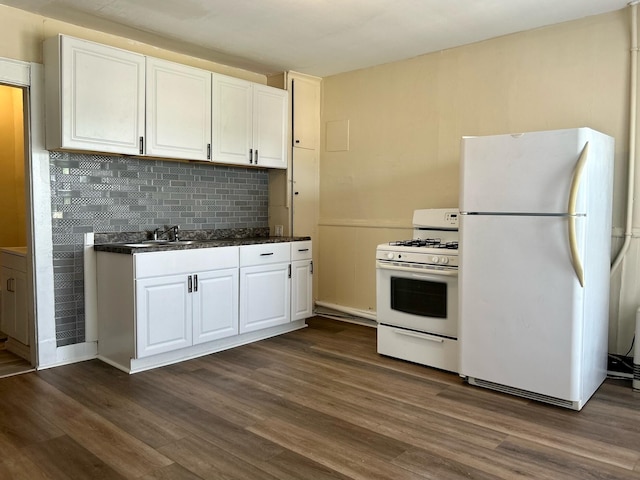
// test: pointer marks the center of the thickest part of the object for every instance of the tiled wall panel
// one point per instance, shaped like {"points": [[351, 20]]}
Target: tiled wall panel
{"points": [[94, 193]]}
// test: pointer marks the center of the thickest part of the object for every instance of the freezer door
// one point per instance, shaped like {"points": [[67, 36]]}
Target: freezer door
{"points": [[520, 303], [524, 173]]}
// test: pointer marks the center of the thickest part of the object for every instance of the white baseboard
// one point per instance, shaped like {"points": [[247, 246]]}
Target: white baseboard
{"points": [[78, 352]]}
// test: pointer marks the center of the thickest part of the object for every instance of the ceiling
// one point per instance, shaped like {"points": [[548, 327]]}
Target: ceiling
{"points": [[317, 37]]}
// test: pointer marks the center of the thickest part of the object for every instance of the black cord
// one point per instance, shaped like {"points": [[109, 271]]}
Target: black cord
{"points": [[631, 347]]}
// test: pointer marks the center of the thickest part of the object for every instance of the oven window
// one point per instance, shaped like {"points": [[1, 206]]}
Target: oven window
{"points": [[419, 297]]}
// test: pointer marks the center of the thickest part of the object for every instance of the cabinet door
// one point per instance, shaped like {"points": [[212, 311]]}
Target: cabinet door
{"points": [[232, 120], [306, 112], [264, 296], [301, 290], [215, 305], [102, 97], [163, 314], [269, 126], [14, 305], [178, 111], [7, 320]]}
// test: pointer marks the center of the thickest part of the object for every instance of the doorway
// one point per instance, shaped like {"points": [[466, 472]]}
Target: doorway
{"points": [[16, 324]]}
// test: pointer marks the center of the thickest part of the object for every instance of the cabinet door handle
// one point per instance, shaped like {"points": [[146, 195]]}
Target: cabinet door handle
{"points": [[311, 267], [303, 249], [208, 151], [195, 283], [289, 270], [266, 254], [255, 158], [190, 283], [251, 155], [141, 145], [10, 285]]}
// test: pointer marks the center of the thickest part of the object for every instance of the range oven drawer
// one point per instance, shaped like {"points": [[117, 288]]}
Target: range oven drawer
{"points": [[418, 347]]}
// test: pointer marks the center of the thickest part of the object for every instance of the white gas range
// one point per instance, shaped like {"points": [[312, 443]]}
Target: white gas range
{"points": [[417, 292]]}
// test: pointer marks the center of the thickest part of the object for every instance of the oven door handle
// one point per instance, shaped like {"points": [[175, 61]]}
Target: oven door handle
{"points": [[422, 336], [419, 271]]}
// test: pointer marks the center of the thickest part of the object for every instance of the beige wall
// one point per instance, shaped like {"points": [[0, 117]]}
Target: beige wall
{"points": [[22, 35], [12, 182], [405, 121]]}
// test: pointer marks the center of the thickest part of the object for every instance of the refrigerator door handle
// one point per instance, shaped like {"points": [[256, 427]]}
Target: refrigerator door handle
{"points": [[576, 261]]}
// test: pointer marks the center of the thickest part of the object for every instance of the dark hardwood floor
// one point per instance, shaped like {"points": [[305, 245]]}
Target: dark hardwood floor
{"points": [[318, 403], [11, 364]]}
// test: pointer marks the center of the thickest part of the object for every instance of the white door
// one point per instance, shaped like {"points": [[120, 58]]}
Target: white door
{"points": [[301, 290], [164, 315], [526, 173], [178, 111], [269, 126], [520, 303], [102, 97], [264, 296], [215, 305], [232, 120]]}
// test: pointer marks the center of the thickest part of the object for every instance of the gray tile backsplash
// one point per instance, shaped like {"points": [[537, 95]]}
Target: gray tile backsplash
{"points": [[96, 193]]}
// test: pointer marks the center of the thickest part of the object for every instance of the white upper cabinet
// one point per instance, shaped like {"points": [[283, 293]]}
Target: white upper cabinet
{"points": [[178, 111], [94, 96], [249, 123], [305, 94], [269, 126], [104, 99], [232, 120]]}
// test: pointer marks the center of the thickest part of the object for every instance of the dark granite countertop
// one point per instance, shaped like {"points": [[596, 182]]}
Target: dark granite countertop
{"points": [[143, 246]]}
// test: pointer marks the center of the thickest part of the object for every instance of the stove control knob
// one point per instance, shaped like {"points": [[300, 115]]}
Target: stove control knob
{"points": [[444, 260], [390, 255], [435, 259]]}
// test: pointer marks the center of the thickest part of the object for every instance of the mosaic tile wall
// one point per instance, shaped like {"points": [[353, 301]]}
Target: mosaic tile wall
{"points": [[94, 193]]}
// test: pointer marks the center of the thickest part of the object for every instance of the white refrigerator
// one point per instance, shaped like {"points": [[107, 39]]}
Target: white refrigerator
{"points": [[535, 240]]}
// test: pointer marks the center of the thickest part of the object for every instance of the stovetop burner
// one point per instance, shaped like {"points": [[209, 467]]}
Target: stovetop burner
{"points": [[425, 242]]}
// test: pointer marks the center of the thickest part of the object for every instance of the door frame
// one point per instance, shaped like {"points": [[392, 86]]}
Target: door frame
{"points": [[30, 77]]}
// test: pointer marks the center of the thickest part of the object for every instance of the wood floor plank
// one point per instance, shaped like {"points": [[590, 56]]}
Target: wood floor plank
{"points": [[21, 421], [318, 403], [112, 445], [354, 464], [11, 364], [210, 461], [66, 459], [121, 411]]}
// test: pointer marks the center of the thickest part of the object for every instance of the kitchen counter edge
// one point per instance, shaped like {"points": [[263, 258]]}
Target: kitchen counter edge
{"points": [[128, 248]]}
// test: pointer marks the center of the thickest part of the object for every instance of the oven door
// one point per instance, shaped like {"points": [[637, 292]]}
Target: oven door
{"points": [[417, 299]]}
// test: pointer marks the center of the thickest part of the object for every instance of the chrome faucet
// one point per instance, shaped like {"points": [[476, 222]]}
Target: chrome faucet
{"points": [[176, 233]]}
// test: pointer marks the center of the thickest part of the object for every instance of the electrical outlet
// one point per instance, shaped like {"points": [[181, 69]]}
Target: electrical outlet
{"points": [[278, 230]]}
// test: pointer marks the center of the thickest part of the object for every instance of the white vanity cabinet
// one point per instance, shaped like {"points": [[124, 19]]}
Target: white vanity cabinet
{"points": [[94, 97], [178, 111], [301, 280], [265, 284], [249, 123], [14, 319]]}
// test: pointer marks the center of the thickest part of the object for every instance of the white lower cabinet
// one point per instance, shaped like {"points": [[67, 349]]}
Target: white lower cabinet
{"points": [[215, 306], [163, 314], [301, 280], [158, 308], [13, 286], [265, 284]]}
